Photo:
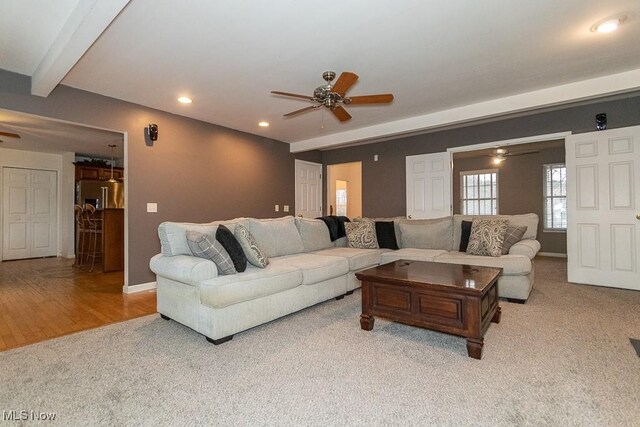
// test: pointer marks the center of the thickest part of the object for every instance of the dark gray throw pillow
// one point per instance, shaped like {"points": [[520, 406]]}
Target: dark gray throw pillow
{"points": [[512, 236], [464, 235], [231, 245], [204, 246], [386, 234]]}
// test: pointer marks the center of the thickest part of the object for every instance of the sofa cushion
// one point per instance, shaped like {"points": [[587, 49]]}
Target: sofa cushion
{"points": [[277, 236], [411, 254], [232, 246], [386, 235], [252, 284], [315, 268], [465, 235], [512, 236], [513, 265], [487, 236], [183, 268], [173, 235], [529, 220], [250, 247], [207, 247], [361, 235], [314, 233], [427, 233], [358, 258]]}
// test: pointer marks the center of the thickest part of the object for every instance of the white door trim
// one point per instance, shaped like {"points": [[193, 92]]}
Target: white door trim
{"points": [[297, 163], [514, 141]]}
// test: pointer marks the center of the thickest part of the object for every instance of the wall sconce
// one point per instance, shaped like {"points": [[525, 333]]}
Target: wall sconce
{"points": [[153, 132], [601, 121]]}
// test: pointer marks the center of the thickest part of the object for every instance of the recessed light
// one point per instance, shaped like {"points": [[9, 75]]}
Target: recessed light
{"points": [[185, 100], [263, 124], [608, 25]]}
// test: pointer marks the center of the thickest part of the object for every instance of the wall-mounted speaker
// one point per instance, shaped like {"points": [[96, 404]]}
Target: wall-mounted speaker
{"points": [[601, 121], [153, 132]]}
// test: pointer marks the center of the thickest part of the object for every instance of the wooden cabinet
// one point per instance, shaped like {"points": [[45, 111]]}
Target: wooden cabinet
{"points": [[98, 173]]}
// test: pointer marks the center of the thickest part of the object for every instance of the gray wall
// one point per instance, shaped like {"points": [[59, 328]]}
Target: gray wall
{"points": [[195, 171], [383, 182], [520, 188]]}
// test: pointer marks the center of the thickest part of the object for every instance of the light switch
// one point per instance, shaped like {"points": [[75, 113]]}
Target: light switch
{"points": [[277, 208], [152, 207], [285, 208], [375, 157]]}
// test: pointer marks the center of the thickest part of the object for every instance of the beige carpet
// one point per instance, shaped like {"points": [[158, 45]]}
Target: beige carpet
{"points": [[564, 358]]}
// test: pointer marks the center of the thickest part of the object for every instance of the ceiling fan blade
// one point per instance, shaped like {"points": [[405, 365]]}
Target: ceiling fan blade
{"points": [[302, 110], [10, 135], [293, 95], [383, 98], [344, 82], [341, 113]]}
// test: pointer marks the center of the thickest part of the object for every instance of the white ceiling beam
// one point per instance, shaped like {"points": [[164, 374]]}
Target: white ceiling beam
{"points": [[557, 95], [85, 24]]}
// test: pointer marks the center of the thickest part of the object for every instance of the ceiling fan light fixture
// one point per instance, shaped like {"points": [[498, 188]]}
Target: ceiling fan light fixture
{"points": [[609, 24], [498, 160]]}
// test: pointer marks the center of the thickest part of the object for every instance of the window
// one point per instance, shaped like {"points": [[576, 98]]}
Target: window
{"points": [[341, 197], [555, 197], [479, 192]]}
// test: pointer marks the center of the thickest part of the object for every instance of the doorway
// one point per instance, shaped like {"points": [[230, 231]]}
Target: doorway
{"points": [[344, 189]]}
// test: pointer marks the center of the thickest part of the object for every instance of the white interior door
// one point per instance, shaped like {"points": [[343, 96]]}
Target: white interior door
{"points": [[429, 186], [29, 226], [308, 189], [603, 192]]}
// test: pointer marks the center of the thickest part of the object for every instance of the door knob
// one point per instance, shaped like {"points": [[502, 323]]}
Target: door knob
{"points": [[409, 216], [638, 216]]}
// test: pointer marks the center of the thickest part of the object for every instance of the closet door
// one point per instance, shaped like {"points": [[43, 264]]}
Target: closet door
{"points": [[29, 225]]}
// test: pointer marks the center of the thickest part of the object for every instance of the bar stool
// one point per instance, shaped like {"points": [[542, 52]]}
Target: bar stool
{"points": [[81, 227], [94, 227]]}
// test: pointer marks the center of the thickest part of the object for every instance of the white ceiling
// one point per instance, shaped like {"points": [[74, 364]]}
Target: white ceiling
{"points": [[50, 136], [435, 57]]}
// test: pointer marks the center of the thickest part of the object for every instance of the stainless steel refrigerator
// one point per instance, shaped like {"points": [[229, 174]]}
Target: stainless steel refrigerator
{"points": [[101, 194]]}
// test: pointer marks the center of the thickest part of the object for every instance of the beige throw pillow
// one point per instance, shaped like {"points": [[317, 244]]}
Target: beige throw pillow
{"points": [[487, 236], [361, 235]]}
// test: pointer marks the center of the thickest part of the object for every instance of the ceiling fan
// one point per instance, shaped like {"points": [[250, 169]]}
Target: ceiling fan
{"points": [[501, 154], [9, 134], [332, 96]]}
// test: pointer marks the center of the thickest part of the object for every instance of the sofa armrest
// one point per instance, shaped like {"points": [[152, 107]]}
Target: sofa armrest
{"points": [[183, 268], [527, 247]]}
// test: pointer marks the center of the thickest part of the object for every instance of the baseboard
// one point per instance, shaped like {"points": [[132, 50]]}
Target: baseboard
{"points": [[132, 289], [552, 254]]}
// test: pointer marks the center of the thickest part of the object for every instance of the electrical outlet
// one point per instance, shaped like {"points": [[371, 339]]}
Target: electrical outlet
{"points": [[277, 208], [152, 207], [285, 208]]}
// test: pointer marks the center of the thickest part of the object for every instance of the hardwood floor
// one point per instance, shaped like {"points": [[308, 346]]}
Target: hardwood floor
{"points": [[46, 298]]}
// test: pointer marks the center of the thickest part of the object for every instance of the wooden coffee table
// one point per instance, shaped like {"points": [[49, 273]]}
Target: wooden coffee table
{"points": [[451, 298]]}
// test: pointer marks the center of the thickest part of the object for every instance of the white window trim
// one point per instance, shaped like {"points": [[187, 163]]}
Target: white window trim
{"points": [[544, 198], [478, 172]]}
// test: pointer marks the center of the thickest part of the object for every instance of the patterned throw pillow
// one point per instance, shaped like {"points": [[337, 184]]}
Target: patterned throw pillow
{"points": [[487, 236], [512, 236], [203, 246], [250, 247], [361, 235]]}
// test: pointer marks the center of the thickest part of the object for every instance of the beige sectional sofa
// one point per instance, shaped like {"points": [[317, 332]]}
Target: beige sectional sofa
{"points": [[305, 268]]}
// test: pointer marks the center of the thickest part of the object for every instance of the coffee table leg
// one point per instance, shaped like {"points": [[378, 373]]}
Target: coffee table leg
{"points": [[366, 322], [496, 317], [474, 347]]}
